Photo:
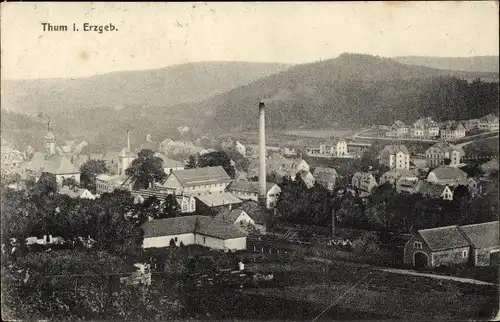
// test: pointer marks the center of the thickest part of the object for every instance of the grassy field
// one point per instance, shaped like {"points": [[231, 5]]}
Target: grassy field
{"points": [[320, 133], [313, 287]]}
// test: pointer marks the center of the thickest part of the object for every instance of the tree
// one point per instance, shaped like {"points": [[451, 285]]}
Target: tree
{"points": [[217, 158], [47, 184], [170, 207], [89, 171], [192, 162], [146, 169]]}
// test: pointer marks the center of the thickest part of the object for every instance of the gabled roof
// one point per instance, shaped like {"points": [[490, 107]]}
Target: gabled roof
{"points": [[399, 123], [447, 173], [482, 235], [325, 174], [190, 224], [308, 179], [248, 186], [218, 199], [73, 193], [201, 176], [443, 238], [454, 126], [56, 164], [229, 217], [431, 190], [394, 149], [446, 147]]}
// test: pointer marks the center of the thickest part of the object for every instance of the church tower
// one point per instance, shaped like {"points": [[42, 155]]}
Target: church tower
{"points": [[125, 157], [49, 142]]}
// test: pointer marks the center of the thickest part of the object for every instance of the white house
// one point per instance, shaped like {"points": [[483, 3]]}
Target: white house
{"points": [[240, 148], [76, 192], [453, 130], [488, 123], [193, 230], [337, 147], [397, 129], [395, 157]]}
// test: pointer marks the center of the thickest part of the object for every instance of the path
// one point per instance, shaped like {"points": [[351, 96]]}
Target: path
{"points": [[443, 277]]}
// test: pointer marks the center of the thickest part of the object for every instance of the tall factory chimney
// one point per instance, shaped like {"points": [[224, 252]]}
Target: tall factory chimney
{"points": [[128, 141], [262, 154]]}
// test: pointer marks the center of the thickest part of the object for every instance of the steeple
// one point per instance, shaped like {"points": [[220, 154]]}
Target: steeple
{"points": [[49, 142]]}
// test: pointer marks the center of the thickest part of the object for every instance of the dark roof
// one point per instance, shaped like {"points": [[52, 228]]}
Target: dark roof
{"points": [[482, 235], [431, 190], [447, 172], [394, 149], [190, 224], [201, 176], [229, 217], [443, 238], [218, 199]]}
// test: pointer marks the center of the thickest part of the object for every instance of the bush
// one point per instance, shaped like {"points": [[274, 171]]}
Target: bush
{"points": [[367, 243]]}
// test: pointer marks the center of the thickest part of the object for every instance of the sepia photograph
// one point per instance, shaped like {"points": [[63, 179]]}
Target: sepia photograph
{"points": [[250, 161]]}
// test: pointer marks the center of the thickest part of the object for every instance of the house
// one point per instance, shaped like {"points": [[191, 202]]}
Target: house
{"points": [[436, 154], [211, 204], [326, 177], [170, 165], [249, 190], [446, 175], [397, 129], [476, 244], [308, 179], [436, 247], [392, 176], [452, 131], [436, 191], [286, 151], [395, 157], [416, 132], [488, 123], [58, 165], [284, 167], [192, 230], [238, 218], [108, 183], [428, 127], [336, 147], [364, 182], [199, 181], [472, 124], [484, 242], [187, 204], [240, 148], [76, 192]]}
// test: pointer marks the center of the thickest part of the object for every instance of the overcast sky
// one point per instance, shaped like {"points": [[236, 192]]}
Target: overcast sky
{"points": [[153, 35]]}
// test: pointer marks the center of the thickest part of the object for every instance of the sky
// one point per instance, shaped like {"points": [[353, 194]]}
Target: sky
{"points": [[155, 35]]}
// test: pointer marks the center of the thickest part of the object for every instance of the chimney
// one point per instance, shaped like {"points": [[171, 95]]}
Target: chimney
{"points": [[262, 154], [128, 141]]}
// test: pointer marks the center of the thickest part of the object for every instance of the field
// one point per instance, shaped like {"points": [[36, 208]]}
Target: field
{"points": [[303, 290], [320, 133], [490, 142]]}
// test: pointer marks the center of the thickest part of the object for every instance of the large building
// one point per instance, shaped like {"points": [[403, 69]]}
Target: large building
{"points": [[488, 123], [440, 151], [397, 129], [395, 157], [425, 127], [446, 175], [452, 131], [193, 230], [198, 181], [443, 246], [337, 147]]}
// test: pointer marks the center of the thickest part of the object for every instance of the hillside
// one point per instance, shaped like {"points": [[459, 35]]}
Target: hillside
{"points": [[355, 89], [470, 64], [152, 88]]}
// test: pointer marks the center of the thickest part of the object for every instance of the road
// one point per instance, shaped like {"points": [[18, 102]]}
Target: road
{"points": [[358, 136], [461, 145]]}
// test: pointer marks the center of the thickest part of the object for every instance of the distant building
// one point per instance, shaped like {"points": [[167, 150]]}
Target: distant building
{"points": [[397, 129], [187, 204], [109, 183], [199, 181], [444, 246], [249, 190], [238, 218], [452, 131], [395, 157], [336, 147], [364, 182], [75, 192], [471, 125], [440, 151], [326, 177], [240, 148], [193, 230], [427, 127], [488, 123], [446, 175], [392, 176], [211, 204], [170, 165]]}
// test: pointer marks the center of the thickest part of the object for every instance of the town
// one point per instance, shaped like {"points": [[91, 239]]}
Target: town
{"points": [[344, 188]]}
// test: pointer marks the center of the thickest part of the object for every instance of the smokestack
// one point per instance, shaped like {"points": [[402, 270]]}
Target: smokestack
{"points": [[128, 140], [262, 154]]}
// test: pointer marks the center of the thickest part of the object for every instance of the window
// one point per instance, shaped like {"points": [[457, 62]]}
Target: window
{"points": [[464, 254], [417, 245], [204, 240], [176, 239]]}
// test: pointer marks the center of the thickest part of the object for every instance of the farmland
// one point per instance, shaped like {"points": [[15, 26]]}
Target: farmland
{"points": [[303, 290]]}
